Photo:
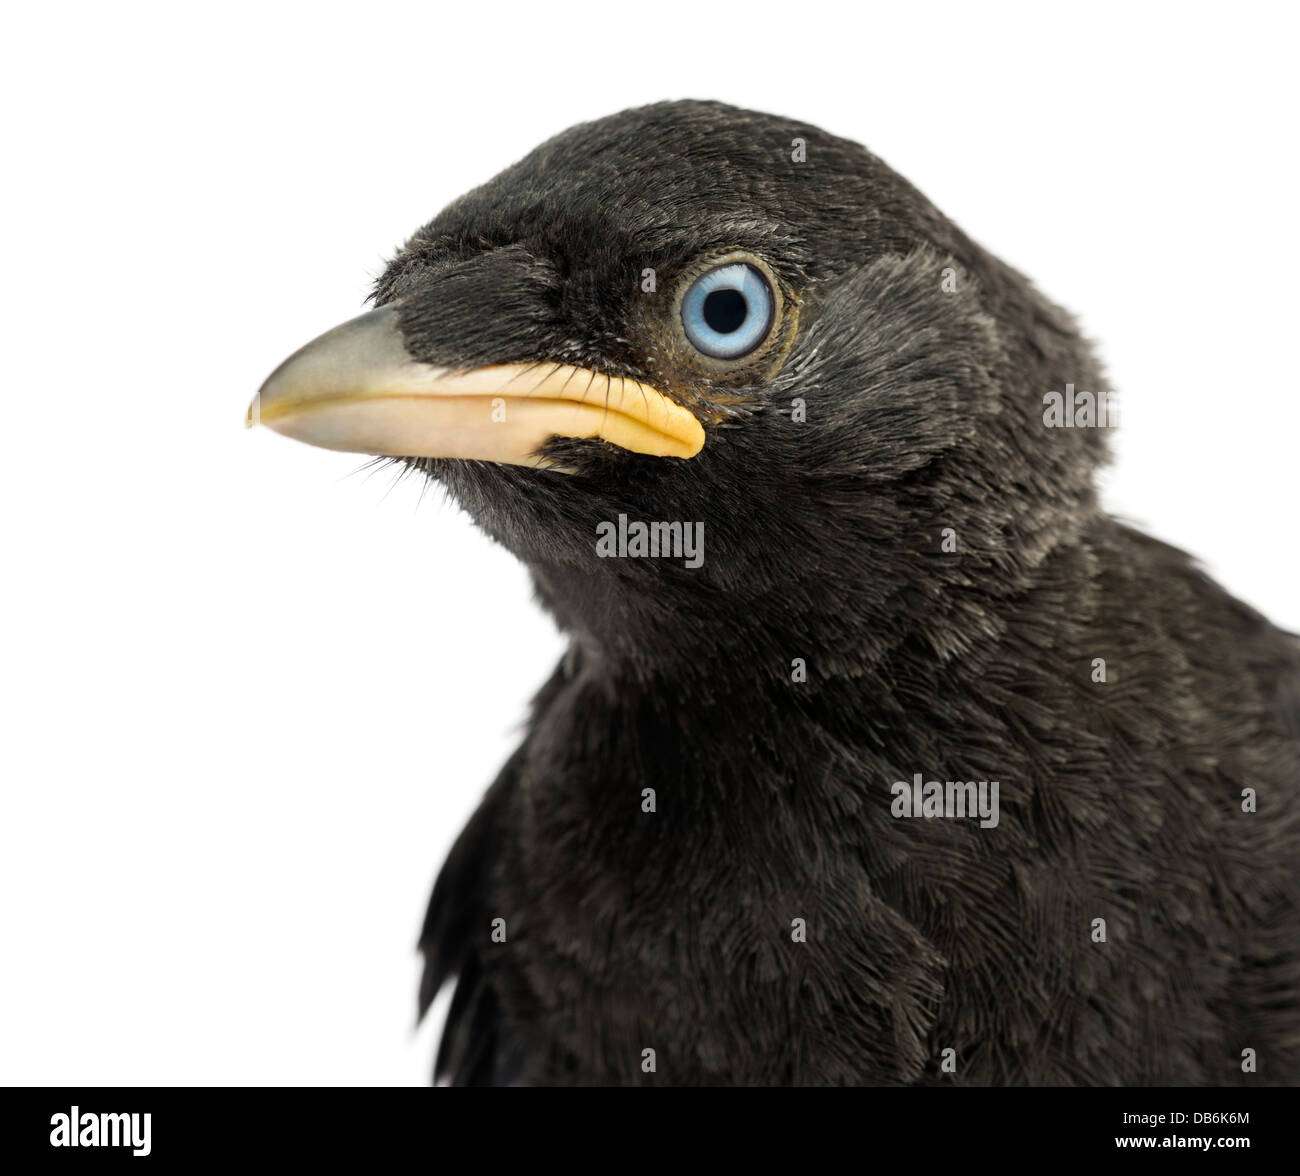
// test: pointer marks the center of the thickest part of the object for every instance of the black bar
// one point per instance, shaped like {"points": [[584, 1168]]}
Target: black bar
{"points": [[882, 1128]]}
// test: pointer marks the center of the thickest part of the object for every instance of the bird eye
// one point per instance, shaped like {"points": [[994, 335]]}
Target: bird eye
{"points": [[728, 311]]}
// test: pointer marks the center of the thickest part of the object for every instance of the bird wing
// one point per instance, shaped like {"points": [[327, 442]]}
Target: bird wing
{"points": [[472, 1051]]}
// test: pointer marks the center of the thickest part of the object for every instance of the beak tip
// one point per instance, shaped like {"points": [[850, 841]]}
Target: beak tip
{"points": [[253, 417]]}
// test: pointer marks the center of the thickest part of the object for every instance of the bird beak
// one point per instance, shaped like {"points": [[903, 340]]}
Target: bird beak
{"points": [[357, 389]]}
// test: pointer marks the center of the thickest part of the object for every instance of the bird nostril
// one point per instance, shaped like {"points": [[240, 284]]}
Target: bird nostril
{"points": [[725, 310]]}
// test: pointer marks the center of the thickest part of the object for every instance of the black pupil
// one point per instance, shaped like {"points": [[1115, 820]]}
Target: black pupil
{"points": [[725, 310]]}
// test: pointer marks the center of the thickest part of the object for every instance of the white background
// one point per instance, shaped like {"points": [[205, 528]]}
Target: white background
{"points": [[249, 699]]}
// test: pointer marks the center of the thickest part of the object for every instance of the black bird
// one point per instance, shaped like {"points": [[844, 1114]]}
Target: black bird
{"points": [[879, 565]]}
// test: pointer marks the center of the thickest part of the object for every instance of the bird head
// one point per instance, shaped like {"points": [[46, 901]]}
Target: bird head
{"points": [[689, 313]]}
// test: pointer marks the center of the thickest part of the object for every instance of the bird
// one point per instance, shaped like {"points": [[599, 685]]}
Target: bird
{"points": [[880, 753]]}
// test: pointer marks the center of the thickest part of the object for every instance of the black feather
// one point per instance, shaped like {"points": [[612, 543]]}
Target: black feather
{"points": [[922, 363]]}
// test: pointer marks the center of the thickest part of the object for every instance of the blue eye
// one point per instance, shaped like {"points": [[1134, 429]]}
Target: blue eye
{"points": [[728, 312]]}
